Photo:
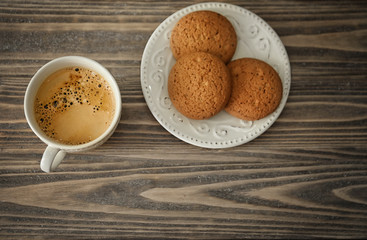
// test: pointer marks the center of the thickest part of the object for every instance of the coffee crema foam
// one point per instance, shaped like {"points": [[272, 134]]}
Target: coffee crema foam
{"points": [[74, 105]]}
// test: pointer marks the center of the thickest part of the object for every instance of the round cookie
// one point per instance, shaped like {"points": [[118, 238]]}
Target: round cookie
{"points": [[199, 85], [204, 31], [256, 89]]}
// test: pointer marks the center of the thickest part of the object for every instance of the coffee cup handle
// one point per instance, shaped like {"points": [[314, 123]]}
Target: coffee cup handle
{"points": [[51, 158]]}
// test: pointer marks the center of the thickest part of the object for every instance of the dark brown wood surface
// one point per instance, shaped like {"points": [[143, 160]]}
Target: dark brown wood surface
{"points": [[306, 177]]}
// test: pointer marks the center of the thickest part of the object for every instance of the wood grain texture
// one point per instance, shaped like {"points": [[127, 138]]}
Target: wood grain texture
{"points": [[306, 177]]}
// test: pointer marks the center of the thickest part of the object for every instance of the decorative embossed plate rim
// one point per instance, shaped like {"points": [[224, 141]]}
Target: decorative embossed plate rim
{"points": [[256, 39]]}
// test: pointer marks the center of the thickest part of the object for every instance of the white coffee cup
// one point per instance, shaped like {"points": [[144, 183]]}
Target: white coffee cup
{"points": [[55, 151]]}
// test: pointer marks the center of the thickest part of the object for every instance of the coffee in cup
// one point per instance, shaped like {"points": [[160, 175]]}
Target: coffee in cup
{"points": [[74, 105]]}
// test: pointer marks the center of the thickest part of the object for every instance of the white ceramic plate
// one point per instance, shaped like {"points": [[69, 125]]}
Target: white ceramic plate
{"points": [[256, 39]]}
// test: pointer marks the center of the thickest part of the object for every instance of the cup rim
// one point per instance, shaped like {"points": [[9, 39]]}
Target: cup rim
{"points": [[39, 77]]}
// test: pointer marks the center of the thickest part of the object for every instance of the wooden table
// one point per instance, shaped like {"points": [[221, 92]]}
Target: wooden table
{"points": [[306, 177]]}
